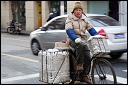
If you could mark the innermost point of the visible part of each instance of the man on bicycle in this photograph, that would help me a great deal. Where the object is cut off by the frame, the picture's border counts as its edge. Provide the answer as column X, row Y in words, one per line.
column 76, row 26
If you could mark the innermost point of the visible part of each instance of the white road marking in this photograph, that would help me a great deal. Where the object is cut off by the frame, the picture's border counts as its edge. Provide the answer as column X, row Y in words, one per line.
column 19, row 78
column 124, row 70
column 119, row 79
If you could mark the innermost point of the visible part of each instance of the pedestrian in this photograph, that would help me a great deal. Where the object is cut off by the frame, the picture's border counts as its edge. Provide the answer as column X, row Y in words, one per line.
column 76, row 26
column 51, row 15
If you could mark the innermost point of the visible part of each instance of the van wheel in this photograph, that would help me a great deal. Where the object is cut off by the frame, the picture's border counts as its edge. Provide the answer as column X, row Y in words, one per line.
column 116, row 55
column 35, row 47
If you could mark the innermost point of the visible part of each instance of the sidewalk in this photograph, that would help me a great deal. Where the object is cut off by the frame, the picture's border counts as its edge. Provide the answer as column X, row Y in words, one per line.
column 22, row 32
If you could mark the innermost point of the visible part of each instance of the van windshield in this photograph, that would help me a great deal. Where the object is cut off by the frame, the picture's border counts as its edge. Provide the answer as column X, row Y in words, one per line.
column 98, row 21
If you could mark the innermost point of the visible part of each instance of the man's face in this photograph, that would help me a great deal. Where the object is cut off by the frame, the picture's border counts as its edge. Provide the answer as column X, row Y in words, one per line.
column 78, row 13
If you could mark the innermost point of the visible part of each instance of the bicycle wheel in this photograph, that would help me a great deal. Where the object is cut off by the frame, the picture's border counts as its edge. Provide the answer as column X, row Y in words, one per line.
column 10, row 30
column 103, row 72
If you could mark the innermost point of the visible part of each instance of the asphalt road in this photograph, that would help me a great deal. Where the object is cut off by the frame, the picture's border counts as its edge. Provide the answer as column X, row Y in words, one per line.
column 20, row 66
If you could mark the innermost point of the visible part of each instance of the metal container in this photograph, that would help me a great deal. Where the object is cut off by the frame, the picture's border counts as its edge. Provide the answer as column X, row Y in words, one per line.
column 54, row 66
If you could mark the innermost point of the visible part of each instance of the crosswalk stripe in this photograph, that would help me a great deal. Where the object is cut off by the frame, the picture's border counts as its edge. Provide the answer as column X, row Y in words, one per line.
column 110, row 77
column 19, row 78
column 119, row 79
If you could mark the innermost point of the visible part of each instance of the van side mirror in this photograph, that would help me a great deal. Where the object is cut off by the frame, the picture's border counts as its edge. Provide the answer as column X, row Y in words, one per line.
column 43, row 29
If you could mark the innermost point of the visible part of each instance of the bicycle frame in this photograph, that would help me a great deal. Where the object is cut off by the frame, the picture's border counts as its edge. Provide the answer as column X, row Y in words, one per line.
column 99, row 70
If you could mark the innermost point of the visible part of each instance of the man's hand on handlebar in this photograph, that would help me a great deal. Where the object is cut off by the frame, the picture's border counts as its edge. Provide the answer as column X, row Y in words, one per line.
column 82, row 43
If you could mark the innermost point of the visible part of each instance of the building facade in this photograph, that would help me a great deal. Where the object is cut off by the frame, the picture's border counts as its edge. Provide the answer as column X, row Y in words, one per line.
column 33, row 14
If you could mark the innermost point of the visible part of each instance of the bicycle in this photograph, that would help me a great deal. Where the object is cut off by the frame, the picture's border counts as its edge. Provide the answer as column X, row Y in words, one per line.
column 10, row 27
column 14, row 27
column 101, row 71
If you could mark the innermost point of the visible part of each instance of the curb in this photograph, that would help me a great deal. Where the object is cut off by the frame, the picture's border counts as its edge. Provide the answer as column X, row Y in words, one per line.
column 22, row 32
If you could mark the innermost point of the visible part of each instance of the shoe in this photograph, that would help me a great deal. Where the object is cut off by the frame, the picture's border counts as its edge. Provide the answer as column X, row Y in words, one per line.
column 79, row 66
column 87, row 79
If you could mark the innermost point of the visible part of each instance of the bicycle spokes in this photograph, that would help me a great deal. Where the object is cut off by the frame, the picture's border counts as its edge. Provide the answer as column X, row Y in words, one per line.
column 103, row 72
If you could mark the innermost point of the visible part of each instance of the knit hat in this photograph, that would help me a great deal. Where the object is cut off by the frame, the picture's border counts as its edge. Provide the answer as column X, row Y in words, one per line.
column 77, row 6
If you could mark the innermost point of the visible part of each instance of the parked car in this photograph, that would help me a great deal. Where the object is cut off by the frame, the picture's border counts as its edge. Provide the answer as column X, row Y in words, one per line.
column 54, row 31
